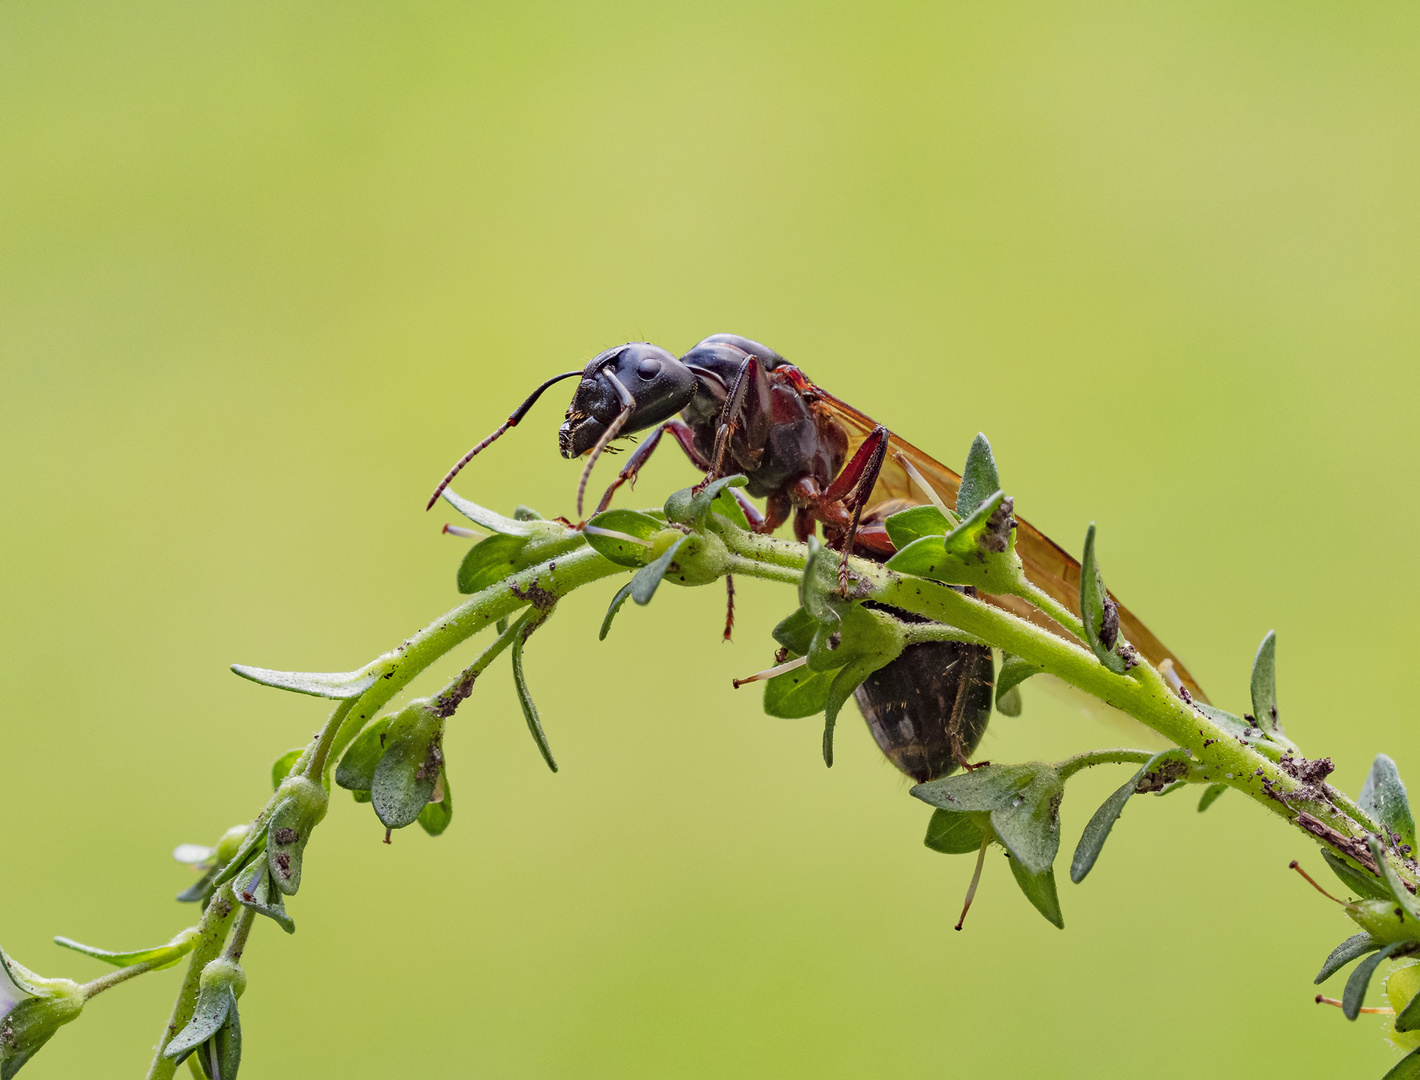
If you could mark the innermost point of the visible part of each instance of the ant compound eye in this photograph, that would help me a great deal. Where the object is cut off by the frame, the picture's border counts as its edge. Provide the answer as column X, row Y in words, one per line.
column 648, row 368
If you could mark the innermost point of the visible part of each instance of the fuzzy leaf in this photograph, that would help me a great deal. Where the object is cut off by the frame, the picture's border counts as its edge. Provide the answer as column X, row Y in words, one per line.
column 1098, row 610
column 643, row 585
column 703, row 501
column 1355, row 994
column 489, row 519
column 1014, row 671
column 356, row 771
column 1398, row 892
column 818, row 586
column 978, row 478
column 1354, row 946
column 216, row 1007
column 1408, row 1019
column 1040, row 891
column 256, row 891
column 290, row 828
column 622, row 595
column 953, row 833
column 1383, row 797
column 407, row 771
column 1098, row 828
column 1358, row 881
column 1407, row 1068
column 1210, row 796
column 1009, row 703
column 340, row 685
column 915, row 522
column 1023, row 801
column 620, row 551
column 491, row 559
column 839, row 691
column 1264, row 684
column 281, row 767
column 525, row 696
column 797, row 694
column 435, row 816
column 796, row 632
column 171, row 953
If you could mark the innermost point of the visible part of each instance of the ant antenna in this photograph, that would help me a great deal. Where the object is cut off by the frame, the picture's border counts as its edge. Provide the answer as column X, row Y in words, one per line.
column 1294, row 865
column 629, row 403
column 511, row 422
column 975, row 881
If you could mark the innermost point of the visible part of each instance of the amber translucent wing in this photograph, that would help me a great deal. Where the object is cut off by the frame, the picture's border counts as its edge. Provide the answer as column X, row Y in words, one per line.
column 1046, row 563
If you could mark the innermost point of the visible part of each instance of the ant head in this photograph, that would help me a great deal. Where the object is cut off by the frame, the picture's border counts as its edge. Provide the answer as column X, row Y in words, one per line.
column 645, row 378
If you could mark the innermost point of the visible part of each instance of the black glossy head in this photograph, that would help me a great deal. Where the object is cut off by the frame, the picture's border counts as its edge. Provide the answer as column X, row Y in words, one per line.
column 658, row 383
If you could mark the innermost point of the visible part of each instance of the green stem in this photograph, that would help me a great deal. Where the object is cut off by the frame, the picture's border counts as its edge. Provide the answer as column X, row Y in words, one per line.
column 212, row 932
column 103, row 982
column 915, row 632
column 240, row 933
column 1070, row 766
column 1054, row 608
column 317, row 756
column 542, row 584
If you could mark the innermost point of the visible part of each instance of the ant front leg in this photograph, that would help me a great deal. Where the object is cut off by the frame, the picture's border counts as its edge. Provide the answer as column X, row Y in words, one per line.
column 852, row 488
column 683, row 435
column 744, row 424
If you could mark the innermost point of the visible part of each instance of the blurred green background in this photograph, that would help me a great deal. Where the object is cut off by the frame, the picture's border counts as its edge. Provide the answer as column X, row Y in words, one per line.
column 266, row 270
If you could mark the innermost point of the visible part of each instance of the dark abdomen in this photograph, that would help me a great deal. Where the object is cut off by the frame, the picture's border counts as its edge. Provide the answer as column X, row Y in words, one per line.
column 928, row 709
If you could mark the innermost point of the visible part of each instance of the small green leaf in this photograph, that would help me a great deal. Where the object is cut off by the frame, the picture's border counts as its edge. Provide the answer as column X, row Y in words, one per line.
column 1098, row 828
column 281, row 767
column 296, row 814
column 1408, row 1019
column 643, row 585
column 1009, row 703
column 256, row 891
column 1023, row 801
column 642, row 527
column 435, row 816
column 1014, row 671
column 1098, row 610
column 1029, row 826
column 1383, row 797
column 915, row 522
column 525, row 513
column 980, row 551
column 726, row 505
column 703, row 501
column 171, row 953
column 797, row 694
column 215, row 1011
column 254, row 842
column 489, row 519
column 1210, row 796
column 1358, row 881
column 340, row 685
column 1264, row 684
column 1398, row 892
column 1354, row 946
column 796, row 632
column 407, row 771
column 491, row 559
column 525, row 696
column 1355, row 994
column 622, row 595
column 818, row 585
column 953, row 833
column 356, row 771
column 839, row 691
column 978, row 478
column 1039, row 889
column 1407, row 1068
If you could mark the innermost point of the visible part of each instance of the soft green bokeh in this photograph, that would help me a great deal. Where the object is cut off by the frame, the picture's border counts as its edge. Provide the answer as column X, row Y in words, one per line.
column 267, row 269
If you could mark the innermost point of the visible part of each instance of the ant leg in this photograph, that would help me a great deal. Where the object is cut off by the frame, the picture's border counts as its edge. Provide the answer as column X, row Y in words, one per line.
column 752, row 513
column 854, row 486
column 729, row 606
column 746, row 408
column 683, row 435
